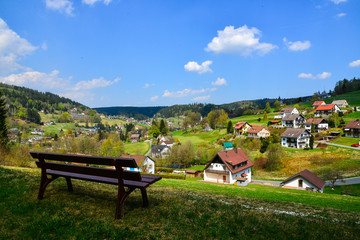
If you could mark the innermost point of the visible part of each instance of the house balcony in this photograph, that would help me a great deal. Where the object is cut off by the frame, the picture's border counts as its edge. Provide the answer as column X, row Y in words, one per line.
column 216, row 171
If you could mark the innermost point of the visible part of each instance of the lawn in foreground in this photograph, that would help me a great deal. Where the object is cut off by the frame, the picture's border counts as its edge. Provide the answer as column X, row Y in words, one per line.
column 178, row 210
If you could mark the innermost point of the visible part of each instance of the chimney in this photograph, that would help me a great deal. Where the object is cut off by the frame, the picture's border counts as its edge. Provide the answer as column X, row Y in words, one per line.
column 235, row 150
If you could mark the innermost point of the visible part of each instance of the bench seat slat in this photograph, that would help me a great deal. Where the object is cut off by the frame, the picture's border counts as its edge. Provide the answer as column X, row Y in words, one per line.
column 123, row 162
column 150, row 179
column 96, row 171
column 127, row 183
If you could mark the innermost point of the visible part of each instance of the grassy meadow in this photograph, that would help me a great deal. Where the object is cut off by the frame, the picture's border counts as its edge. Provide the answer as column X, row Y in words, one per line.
column 178, row 209
column 347, row 141
column 353, row 98
column 139, row 148
column 253, row 119
column 199, row 138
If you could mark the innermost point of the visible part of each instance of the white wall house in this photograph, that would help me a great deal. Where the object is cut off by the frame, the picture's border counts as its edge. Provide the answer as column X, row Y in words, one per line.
column 145, row 163
column 352, row 129
column 320, row 124
column 295, row 138
column 229, row 167
column 326, row 110
column 304, row 180
column 286, row 111
column 293, row 121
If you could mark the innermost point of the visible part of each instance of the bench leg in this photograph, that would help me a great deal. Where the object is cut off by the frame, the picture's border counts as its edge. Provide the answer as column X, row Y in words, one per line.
column 69, row 184
column 122, row 196
column 43, row 184
column 144, row 197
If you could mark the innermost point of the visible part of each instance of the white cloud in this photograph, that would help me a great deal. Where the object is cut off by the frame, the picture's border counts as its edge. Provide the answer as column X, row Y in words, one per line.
column 298, row 45
column 186, row 92
column 242, row 40
column 195, row 67
column 219, row 82
column 355, row 63
column 79, row 96
column 146, row 85
column 323, row 75
column 338, row 1
column 44, row 46
column 154, row 98
column 306, row 75
column 63, row 6
column 12, row 49
column 340, row 15
column 92, row 2
column 201, row 98
column 95, row 83
column 38, row 80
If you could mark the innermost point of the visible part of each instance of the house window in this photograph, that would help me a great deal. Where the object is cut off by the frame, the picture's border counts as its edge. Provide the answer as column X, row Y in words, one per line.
column 300, row 183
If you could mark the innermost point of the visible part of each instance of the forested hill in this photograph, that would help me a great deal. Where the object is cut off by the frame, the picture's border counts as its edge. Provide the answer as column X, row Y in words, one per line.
column 22, row 98
column 139, row 113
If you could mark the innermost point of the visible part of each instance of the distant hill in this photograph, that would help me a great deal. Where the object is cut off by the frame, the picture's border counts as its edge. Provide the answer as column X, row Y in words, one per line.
column 22, row 98
column 135, row 112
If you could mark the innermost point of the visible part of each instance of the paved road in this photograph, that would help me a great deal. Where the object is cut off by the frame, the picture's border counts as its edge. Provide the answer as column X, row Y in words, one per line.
column 338, row 145
column 347, row 181
column 148, row 152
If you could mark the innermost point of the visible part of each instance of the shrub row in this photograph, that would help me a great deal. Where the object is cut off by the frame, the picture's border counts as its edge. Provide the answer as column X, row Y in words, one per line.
column 163, row 169
column 173, row 176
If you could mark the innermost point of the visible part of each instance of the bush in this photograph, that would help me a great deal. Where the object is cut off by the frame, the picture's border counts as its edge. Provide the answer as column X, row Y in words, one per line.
column 260, row 163
column 162, row 169
column 173, row 176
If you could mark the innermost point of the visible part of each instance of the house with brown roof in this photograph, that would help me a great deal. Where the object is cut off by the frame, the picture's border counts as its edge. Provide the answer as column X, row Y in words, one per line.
column 135, row 137
column 327, row 109
column 295, row 138
column 241, row 128
column 320, row 124
column 287, row 111
column 167, row 143
column 258, row 132
column 318, row 103
column 145, row 163
column 193, row 173
column 352, row 129
column 293, row 121
column 341, row 103
column 304, row 180
column 229, row 167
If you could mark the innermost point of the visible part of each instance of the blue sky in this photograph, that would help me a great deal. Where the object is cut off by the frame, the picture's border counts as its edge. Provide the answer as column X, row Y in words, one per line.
column 161, row 52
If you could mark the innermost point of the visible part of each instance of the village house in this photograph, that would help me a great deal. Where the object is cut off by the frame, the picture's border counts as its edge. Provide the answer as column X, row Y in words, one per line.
column 258, row 132
column 304, row 180
column 135, row 137
column 327, row 109
column 318, row 103
column 293, row 121
column 160, row 151
column 287, row 111
column 320, row 124
column 341, row 103
column 295, row 138
column 229, row 167
column 167, row 143
column 37, row 131
column 145, row 163
column 193, row 173
column 207, row 128
column 352, row 129
column 241, row 128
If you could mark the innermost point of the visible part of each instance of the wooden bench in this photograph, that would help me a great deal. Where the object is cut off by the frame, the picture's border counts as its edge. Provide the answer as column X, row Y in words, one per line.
column 127, row 181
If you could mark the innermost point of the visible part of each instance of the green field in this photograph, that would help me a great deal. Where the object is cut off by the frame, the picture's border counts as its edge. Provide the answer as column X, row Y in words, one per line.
column 353, row 98
column 253, row 119
column 178, row 210
column 197, row 167
column 57, row 127
column 199, row 138
column 139, row 148
column 347, row 141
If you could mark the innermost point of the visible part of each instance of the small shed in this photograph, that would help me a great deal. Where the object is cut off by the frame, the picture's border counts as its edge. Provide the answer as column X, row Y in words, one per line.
column 193, row 173
column 228, row 145
column 304, row 180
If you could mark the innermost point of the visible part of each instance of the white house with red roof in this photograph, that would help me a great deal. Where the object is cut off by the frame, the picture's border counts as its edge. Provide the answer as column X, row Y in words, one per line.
column 241, row 128
column 286, row 111
column 229, row 167
column 304, row 180
column 145, row 163
column 258, row 132
column 326, row 109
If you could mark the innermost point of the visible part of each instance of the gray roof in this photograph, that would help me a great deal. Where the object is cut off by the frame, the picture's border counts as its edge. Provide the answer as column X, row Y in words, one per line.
column 287, row 110
column 291, row 117
column 339, row 102
column 293, row 132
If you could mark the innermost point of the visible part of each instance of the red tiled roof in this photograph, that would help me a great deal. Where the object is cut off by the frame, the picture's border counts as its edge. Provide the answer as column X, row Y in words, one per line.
column 239, row 125
column 317, row 103
column 256, row 129
column 312, row 178
column 325, row 107
column 139, row 159
column 234, row 157
column 353, row 124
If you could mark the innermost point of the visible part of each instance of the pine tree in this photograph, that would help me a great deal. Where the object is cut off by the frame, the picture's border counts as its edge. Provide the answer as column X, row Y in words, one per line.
column 163, row 128
column 229, row 128
column 3, row 127
column 265, row 116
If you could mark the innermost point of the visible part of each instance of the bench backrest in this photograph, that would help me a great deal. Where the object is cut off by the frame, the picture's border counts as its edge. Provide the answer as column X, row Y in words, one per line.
column 118, row 163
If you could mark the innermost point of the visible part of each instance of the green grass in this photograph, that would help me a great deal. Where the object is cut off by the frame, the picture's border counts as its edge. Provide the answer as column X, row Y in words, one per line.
column 253, row 119
column 57, row 127
column 139, row 148
column 351, row 116
column 354, row 189
column 178, row 210
column 199, row 138
column 347, row 141
column 197, row 167
column 353, row 98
